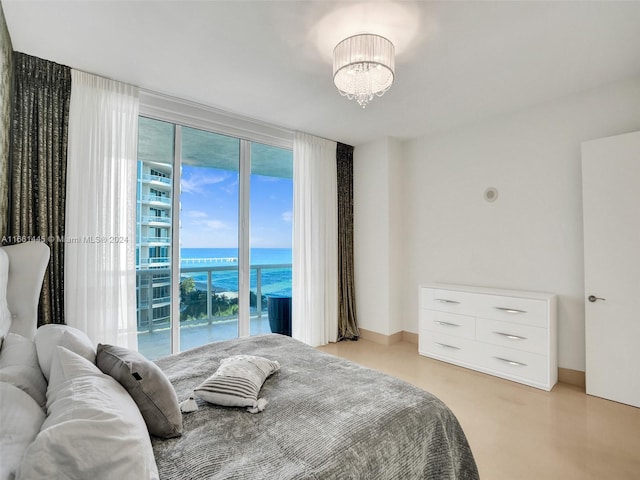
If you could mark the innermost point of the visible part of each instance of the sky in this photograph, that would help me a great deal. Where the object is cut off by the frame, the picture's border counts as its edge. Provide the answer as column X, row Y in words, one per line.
column 210, row 186
column 209, row 209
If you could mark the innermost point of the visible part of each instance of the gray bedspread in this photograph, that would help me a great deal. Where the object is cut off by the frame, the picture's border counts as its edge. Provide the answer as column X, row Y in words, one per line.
column 327, row 418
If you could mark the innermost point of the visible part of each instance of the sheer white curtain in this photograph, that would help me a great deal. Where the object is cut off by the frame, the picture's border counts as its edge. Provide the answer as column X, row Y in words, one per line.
column 100, row 228
column 315, row 240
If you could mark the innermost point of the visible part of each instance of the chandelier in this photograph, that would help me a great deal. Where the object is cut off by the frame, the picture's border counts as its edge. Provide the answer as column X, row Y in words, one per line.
column 363, row 66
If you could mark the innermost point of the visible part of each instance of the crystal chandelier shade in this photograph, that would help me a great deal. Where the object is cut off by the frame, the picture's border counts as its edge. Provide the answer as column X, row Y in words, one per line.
column 363, row 66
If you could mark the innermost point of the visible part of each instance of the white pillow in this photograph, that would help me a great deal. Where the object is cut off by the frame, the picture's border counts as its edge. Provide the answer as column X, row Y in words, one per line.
column 67, row 366
column 237, row 382
column 5, row 314
column 21, row 419
column 93, row 428
column 48, row 337
column 19, row 366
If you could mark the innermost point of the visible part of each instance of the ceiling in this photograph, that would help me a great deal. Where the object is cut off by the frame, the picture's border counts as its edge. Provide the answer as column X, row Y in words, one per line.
column 456, row 62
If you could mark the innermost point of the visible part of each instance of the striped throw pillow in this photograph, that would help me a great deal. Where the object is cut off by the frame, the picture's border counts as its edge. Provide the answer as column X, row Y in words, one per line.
column 237, row 382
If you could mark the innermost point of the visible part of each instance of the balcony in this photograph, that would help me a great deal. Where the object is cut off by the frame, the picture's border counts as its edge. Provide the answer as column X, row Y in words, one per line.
column 160, row 302
column 155, row 240
column 197, row 261
column 203, row 321
column 154, row 263
column 156, row 200
column 157, row 179
column 156, row 344
column 152, row 219
column 155, row 279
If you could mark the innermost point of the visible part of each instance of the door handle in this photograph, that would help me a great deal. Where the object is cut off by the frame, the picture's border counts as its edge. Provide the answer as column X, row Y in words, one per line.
column 593, row 298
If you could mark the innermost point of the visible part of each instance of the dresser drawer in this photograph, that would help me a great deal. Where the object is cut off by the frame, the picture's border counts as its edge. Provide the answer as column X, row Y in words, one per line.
column 525, row 311
column 523, row 366
column 448, row 323
column 446, row 347
column 512, row 335
column 508, row 333
column 451, row 301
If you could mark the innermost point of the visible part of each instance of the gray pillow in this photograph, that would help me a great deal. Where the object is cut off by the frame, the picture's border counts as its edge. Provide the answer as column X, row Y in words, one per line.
column 148, row 386
column 237, row 382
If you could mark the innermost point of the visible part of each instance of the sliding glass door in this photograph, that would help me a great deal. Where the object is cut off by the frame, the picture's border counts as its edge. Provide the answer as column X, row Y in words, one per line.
column 214, row 236
column 154, row 232
column 271, row 214
column 209, row 198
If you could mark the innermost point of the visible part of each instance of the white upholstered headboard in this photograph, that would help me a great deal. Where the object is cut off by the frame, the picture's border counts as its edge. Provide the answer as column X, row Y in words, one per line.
column 27, row 264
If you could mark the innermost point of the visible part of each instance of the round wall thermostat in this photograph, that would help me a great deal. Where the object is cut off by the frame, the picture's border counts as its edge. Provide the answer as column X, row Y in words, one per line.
column 491, row 194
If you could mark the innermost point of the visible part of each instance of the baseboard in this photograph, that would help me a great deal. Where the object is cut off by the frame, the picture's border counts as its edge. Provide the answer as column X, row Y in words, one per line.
column 565, row 375
column 388, row 340
column 380, row 338
column 572, row 377
column 410, row 337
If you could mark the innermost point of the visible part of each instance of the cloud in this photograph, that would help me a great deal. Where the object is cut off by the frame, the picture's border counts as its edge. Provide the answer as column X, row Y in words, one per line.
column 215, row 225
column 196, row 214
column 232, row 188
column 197, row 183
column 202, row 222
column 287, row 216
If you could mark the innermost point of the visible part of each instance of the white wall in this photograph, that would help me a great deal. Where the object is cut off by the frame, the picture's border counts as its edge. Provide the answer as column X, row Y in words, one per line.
column 371, row 235
column 395, row 154
column 443, row 230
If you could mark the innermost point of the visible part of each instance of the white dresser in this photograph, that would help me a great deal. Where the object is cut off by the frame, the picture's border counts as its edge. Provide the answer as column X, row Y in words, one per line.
column 508, row 333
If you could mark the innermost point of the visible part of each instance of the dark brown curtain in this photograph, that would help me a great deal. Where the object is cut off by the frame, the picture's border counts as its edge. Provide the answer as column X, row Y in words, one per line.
column 40, row 119
column 347, row 323
column 6, row 82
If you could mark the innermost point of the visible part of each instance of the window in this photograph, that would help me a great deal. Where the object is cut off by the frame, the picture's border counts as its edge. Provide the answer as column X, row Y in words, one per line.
column 158, row 173
column 201, row 277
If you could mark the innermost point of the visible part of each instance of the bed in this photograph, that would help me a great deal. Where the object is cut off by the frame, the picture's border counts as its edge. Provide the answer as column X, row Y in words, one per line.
column 326, row 418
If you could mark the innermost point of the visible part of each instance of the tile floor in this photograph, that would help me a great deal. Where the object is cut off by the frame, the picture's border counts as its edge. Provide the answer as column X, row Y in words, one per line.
column 516, row 431
column 156, row 344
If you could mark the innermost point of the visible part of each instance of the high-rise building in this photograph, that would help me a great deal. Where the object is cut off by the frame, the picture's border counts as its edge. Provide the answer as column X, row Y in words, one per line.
column 153, row 245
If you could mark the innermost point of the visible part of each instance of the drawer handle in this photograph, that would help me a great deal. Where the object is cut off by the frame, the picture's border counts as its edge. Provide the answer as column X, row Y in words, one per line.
column 444, row 345
column 511, row 362
column 510, row 310
column 448, row 324
column 444, row 300
column 511, row 336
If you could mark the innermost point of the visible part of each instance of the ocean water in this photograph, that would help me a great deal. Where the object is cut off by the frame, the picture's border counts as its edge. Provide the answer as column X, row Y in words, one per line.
column 274, row 281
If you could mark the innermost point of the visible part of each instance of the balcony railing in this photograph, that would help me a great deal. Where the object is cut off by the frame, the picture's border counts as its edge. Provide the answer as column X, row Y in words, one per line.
column 156, row 199
column 155, row 260
column 195, row 261
column 154, row 219
column 207, row 312
column 163, row 240
column 160, row 302
column 153, row 279
column 145, row 262
column 156, row 178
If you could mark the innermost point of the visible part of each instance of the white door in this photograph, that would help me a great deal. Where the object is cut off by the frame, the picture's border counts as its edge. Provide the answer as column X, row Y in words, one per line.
column 611, row 206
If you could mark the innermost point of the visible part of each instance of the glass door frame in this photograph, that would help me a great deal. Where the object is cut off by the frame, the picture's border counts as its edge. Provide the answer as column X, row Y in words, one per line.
column 175, row 239
column 244, row 239
column 183, row 113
